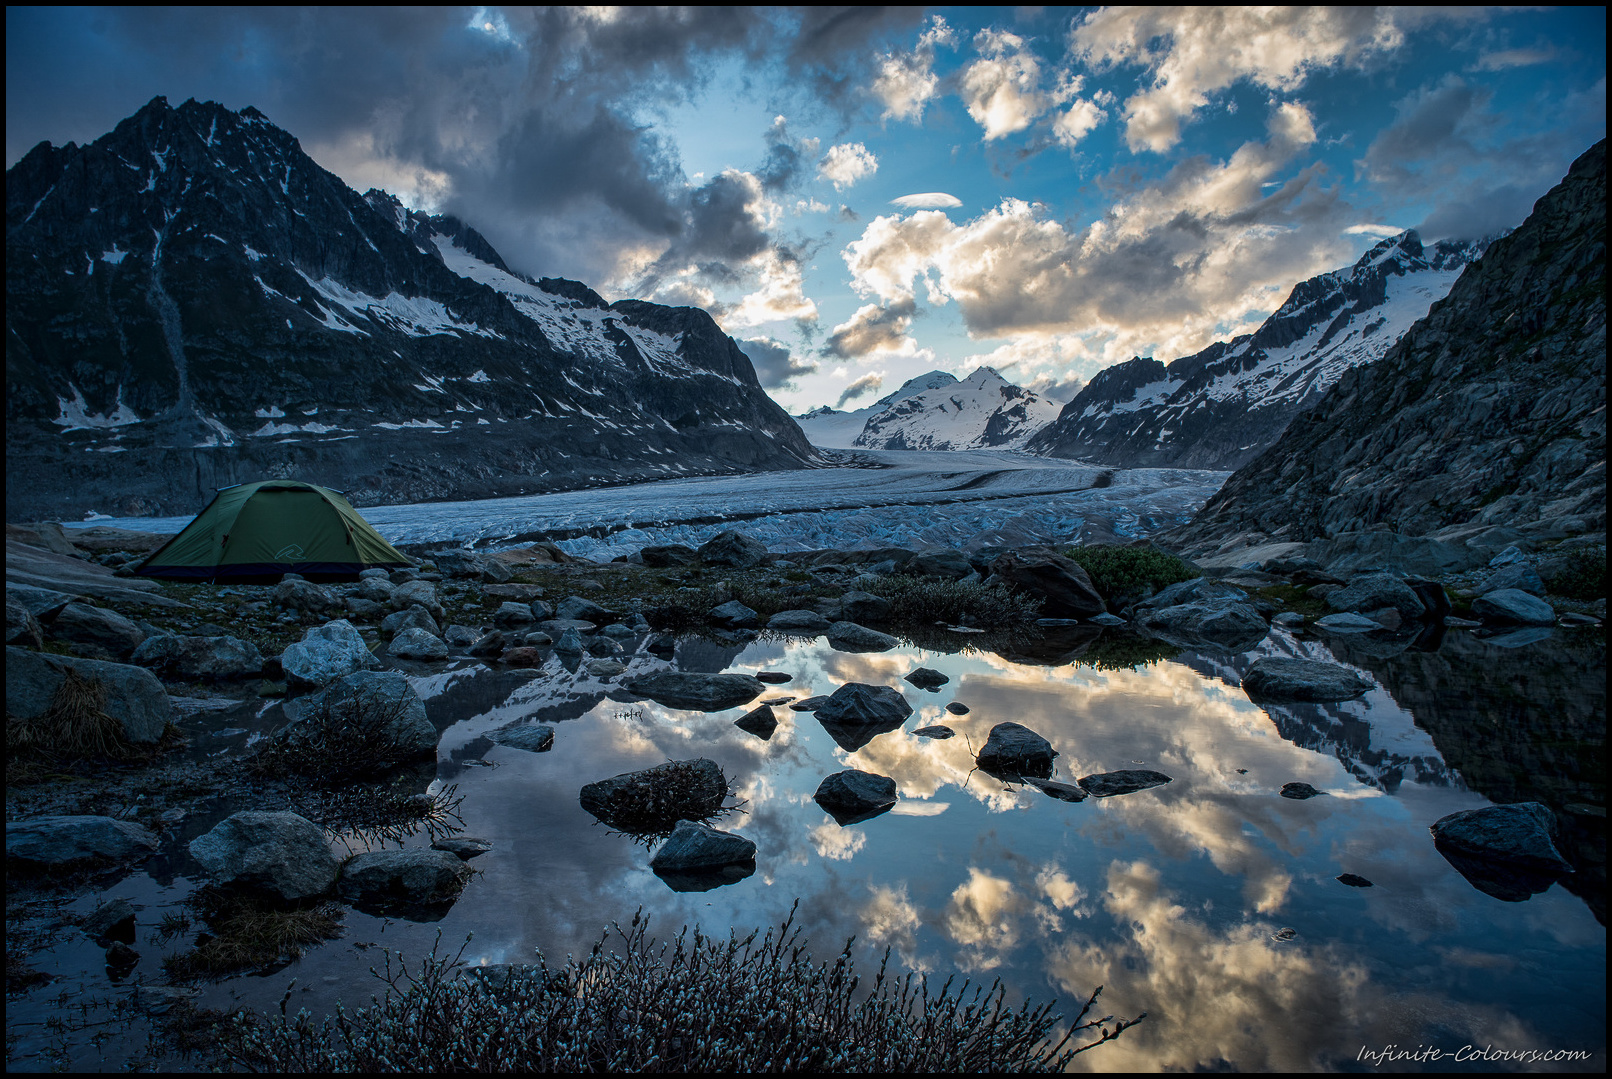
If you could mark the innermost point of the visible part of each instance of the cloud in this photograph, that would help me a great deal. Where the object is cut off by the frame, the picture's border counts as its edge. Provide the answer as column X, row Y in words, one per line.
column 906, row 82
column 1169, row 267
column 1002, row 89
column 785, row 156
column 847, row 163
column 1510, row 58
column 1446, row 147
column 873, row 329
column 929, row 200
column 861, row 388
column 775, row 365
column 1080, row 120
column 983, row 916
column 1192, row 52
column 1373, row 230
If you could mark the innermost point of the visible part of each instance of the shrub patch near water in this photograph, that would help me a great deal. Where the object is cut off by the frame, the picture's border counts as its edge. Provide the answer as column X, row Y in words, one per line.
column 1128, row 573
column 699, row 1005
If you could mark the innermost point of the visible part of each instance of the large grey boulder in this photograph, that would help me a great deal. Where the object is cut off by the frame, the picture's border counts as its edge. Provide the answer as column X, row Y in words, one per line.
column 677, row 790
column 695, row 846
column 1203, row 612
column 734, row 615
column 584, row 610
column 296, row 594
column 412, row 876
column 1518, row 833
column 22, row 628
column 1302, row 680
column 854, row 795
column 1062, row 585
column 531, row 737
column 858, row 702
column 66, row 840
column 134, row 697
column 96, row 632
column 510, row 613
column 1514, row 605
column 275, row 852
column 1518, row 575
column 1373, row 592
column 1125, row 781
column 326, row 653
column 699, row 692
column 203, row 658
column 423, row 593
column 458, row 562
column 417, row 643
column 927, row 678
column 1347, row 622
column 376, row 705
column 42, row 603
column 945, row 562
column 375, row 589
column 856, row 713
column 674, row 554
column 733, row 549
column 798, row 622
column 850, row 637
column 415, row 617
column 864, row 607
column 1014, row 749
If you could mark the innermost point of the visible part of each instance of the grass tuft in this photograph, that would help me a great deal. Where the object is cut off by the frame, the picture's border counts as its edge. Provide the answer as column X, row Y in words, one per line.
column 248, row 932
column 688, row 1005
column 926, row 600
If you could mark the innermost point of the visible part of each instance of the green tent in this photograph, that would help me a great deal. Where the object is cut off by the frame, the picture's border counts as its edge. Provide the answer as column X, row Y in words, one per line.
column 272, row 527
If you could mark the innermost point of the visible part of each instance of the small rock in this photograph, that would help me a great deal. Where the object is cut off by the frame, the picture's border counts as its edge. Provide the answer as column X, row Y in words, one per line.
column 700, row 692
column 1518, row 833
column 604, row 668
column 281, row 853
column 1013, row 749
column 1299, row 791
column 850, row 637
column 1125, row 781
column 695, row 846
column 532, row 737
column 1302, row 680
column 111, row 920
column 927, row 678
column 1064, row 792
column 1347, row 623
column 957, row 708
column 66, row 840
column 1353, row 881
column 463, row 847
column 511, row 613
column 798, row 622
column 733, row 549
column 417, row 643
column 939, row 730
column 810, row 704
column 1514, row 605
column 414, row 875
column 525, row 656
column 759, row 721
column 1282, row 936
column 775, row 678
column 734, row 615
column 853, row 795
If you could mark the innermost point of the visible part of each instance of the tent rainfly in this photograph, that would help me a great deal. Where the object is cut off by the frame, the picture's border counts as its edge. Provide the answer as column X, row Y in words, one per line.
column 269, row 528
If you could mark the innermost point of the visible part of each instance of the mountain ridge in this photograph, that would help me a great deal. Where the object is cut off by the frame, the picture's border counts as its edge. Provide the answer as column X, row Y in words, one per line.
column 192, row 273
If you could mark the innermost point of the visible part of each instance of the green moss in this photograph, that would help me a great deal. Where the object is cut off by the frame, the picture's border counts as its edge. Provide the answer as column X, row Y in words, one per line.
column 1124, row 575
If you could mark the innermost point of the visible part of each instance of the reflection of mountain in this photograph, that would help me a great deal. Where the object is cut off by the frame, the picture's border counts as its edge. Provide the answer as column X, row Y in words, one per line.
column 1381, row 747
column 1520, row 725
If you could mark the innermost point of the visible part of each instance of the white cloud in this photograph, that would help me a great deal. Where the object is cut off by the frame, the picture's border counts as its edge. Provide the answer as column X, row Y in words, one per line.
column 907, row 83
column 1002, row 89
column 1372, row 230
column 1168, row 269
column 862, row 387
column 928, row 200
column 847, row 163
column 1201, row 50
column 1080, row 120
column 874, row 329
column 780, row 297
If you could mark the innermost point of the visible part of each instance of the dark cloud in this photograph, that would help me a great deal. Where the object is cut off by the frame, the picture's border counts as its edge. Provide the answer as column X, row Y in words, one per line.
column 1429, row 126
column 862, row 387
column 872, row 329
column 774, row 364
column 1063, row 390
column 835, row 48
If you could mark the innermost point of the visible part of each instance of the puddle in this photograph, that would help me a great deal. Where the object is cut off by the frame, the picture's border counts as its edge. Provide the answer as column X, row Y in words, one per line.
column 1210, row 902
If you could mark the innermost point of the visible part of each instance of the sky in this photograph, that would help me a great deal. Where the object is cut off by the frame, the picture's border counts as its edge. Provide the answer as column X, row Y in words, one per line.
column 862, row 195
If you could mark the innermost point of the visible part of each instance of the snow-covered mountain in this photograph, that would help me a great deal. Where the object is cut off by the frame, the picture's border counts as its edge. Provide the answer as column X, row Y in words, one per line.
column 193, row 302
column 1221, row 407
column 937, row 412
column 831, row 427
column 983, row 410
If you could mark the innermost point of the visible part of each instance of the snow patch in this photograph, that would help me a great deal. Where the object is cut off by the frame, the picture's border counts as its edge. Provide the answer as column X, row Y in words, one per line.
column 75, row 414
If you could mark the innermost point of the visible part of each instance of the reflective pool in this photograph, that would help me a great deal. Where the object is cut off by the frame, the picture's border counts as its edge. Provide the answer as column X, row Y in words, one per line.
column 1172, row 898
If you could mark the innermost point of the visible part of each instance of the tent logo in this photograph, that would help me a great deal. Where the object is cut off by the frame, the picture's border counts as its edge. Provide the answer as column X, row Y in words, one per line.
column 291, row 552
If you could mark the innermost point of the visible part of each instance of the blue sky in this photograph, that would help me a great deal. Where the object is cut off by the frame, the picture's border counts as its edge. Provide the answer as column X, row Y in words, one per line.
column 1100, row 182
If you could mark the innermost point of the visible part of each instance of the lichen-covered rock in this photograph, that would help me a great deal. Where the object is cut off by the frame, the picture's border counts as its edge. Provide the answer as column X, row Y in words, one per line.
column 281, row 853
column 134, row 697
column 326, row 653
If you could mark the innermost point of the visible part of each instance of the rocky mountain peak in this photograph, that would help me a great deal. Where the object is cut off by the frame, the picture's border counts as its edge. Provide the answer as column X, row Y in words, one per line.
column 1486, row 419
column 192, row 301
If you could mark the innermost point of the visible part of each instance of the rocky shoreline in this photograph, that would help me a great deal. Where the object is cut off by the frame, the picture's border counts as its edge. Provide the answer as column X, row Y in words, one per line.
column 337, row 655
